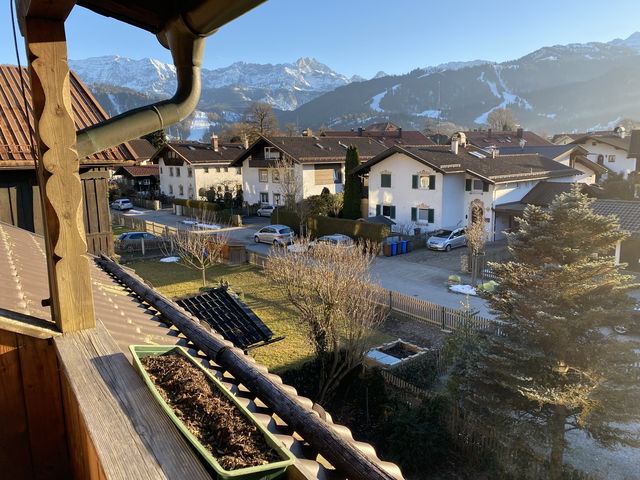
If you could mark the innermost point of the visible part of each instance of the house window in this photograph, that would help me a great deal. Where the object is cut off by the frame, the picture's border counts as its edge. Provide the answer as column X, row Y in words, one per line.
column 385, row 180
column 276, row 199
column 218, row 169
column 206, row 169
column 275, row 176
column 181, row 188
column 328, row 173
column 170, row 189
column 386, row 210
column 239, row 171
column 611, row 158
column 423, row 182
column 424, row 215
column 226, row 169
column 171, row 171
column 478, row 185
column 189, row 172
column 271, row 153
column 160, row 170
column 263, row 175
column 177, row 171
column 264, row 197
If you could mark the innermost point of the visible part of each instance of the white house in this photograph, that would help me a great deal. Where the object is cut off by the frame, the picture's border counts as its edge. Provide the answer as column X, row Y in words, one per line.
column 571, row 155
column 442, row 186
column 189, row 169
column 609, row 150
column 318, row 163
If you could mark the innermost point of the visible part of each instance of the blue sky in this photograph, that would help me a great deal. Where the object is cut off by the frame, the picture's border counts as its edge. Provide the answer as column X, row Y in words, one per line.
column 362, row 37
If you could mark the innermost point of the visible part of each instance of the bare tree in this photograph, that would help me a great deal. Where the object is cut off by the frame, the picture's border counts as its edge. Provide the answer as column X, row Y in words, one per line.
column 261, row 119
column 290, row 185
column 332, row 289
column 501, row 119
column 476, row 240
column 201, row 247
column 236, row 132
column 290, row 129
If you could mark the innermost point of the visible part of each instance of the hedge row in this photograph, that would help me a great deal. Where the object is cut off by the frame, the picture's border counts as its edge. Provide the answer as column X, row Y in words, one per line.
column 200, row 204
column 282, row 216
column 357, row 229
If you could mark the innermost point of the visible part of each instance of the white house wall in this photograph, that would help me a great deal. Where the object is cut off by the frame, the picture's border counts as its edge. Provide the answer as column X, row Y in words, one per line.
column 167, row 181
column 453, row 198
column 309, row 182
column 252, row 187
column 213, row 178
column 588, row 176
column 622, row 164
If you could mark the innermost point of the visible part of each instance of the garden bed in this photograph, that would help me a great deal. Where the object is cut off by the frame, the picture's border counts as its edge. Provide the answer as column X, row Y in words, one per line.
column 394, row 353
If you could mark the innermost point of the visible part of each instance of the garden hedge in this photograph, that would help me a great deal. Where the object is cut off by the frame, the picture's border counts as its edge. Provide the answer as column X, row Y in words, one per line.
column 357, row 229
column 282, row 216
column 199, row 204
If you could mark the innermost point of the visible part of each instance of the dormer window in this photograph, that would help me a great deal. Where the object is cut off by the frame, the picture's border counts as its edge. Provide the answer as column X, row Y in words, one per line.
column 271, row 153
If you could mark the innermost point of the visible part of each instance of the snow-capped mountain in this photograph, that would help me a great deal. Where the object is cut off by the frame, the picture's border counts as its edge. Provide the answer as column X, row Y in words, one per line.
column 152, row 77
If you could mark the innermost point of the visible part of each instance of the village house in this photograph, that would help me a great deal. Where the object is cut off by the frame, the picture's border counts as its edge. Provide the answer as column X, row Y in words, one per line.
column 318, row 163
column 144, row 179
column 610, row 150
column 503, row 138
column 143, row 150
column 189, row 169
column 20, row 201
column 448, row 186
column 386, row 133
column 571, row 155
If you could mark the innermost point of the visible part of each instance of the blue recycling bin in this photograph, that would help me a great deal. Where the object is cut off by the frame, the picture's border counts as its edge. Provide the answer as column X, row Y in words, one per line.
column 394, row 248
column 403, row 246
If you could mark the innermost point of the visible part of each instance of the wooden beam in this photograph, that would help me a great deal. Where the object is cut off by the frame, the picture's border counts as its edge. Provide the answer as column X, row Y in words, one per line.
column 58, row 176
column 49, row 9
column 341, row 452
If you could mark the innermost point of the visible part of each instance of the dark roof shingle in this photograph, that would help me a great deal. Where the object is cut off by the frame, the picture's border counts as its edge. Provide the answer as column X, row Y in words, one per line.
column 203, row 153
column 501, row 139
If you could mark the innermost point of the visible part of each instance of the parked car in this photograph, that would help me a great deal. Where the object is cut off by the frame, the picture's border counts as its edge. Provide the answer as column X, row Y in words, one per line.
column 137, row 236
column 446, row 239
column 336, row 239
column 122, row 204
column 266, row 210
column 276, row 234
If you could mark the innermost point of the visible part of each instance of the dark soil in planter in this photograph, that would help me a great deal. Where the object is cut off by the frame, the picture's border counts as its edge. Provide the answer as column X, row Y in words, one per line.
column 399, row 350
column 215, row 421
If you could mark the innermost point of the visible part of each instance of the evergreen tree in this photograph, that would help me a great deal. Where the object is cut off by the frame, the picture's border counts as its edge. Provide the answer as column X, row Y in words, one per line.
column 352, row 185
column 555, row 364
column 157, row 138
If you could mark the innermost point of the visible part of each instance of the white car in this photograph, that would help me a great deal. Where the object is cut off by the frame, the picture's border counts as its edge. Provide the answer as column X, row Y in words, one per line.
column 275, row 234
column 266, row 210
column 122, row 204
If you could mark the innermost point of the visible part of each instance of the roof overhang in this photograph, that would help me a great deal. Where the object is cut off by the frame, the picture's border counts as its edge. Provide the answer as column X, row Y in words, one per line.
column 365, row 167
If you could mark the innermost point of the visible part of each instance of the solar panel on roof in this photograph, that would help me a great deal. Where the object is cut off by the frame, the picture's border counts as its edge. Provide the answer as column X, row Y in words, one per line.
column 230, row 317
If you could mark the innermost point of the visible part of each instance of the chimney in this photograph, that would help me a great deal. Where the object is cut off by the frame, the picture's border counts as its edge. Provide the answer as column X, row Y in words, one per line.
column 307, row 132
column 214, row 142
column 359, row 131
column 400, row 132
column 245, row 141
column 489, row 134
column 519, row 132
column 522, row 143
column 454, row 147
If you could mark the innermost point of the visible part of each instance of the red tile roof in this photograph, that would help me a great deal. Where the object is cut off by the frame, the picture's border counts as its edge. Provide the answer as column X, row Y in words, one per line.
column 15, row 140
column 139, row 170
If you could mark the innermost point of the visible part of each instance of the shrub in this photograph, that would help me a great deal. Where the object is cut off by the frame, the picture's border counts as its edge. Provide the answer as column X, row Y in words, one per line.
column 199, row 204
column 454, row 279
column 319, row 226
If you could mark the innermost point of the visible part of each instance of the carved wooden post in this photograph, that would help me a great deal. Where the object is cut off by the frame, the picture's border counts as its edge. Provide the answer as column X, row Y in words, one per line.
column 58, row 177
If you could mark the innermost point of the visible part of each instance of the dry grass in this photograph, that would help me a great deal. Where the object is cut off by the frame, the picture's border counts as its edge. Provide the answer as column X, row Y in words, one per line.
column 263, row 297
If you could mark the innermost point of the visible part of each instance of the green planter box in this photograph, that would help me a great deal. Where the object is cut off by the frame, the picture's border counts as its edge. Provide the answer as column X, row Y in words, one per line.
column 260, row 472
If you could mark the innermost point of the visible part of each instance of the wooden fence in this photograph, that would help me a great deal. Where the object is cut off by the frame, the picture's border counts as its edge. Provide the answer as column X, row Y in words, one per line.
column 257, row 259
column 142, row 225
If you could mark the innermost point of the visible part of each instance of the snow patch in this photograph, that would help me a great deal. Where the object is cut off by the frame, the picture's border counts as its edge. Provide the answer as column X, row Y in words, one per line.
column 430, row 113
column 170, row 259
column 199, row 126
column 464, row 289
column 375, row 102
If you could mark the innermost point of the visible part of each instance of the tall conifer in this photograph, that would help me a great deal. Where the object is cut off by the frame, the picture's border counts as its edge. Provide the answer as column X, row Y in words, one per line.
column 352, row 185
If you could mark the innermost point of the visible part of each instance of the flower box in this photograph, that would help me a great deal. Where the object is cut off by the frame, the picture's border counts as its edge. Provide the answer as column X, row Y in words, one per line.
column 261, row 472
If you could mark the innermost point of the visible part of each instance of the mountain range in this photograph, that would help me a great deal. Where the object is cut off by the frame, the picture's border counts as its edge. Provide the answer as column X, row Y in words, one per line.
column 558, row 88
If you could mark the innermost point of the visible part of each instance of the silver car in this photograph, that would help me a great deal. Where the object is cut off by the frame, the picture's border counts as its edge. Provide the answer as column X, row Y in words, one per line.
column 266, row 210
column 275, row 234
column 446, row 239
column 122, row 204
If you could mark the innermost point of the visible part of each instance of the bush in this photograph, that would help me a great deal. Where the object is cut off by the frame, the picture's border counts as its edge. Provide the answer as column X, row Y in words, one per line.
column 319, row 226
column 283, row 216
column 199, row 204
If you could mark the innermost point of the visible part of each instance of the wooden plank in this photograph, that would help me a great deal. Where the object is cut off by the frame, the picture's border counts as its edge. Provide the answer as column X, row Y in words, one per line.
column 27, row 325
column 38, row 220
column 15, row 454
column 130, row 433
column 58, row 175
column 43, row 402
column 91, row 205
column 7, row 213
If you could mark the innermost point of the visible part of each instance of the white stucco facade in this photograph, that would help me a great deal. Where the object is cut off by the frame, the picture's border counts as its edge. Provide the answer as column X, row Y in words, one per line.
column 613, row 158
column 186, row 180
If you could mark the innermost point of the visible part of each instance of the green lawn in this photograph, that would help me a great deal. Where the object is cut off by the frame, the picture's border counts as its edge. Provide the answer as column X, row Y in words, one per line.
column 263, row 297
column 118, row 229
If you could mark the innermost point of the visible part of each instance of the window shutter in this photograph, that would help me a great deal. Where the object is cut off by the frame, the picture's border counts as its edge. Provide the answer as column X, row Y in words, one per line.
column 414, row 214
column 432, row 182
column 485, row 187
column 414, row 181
column 378, row 209
column 392, row 211
column 467, row 185
column 430, row 215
